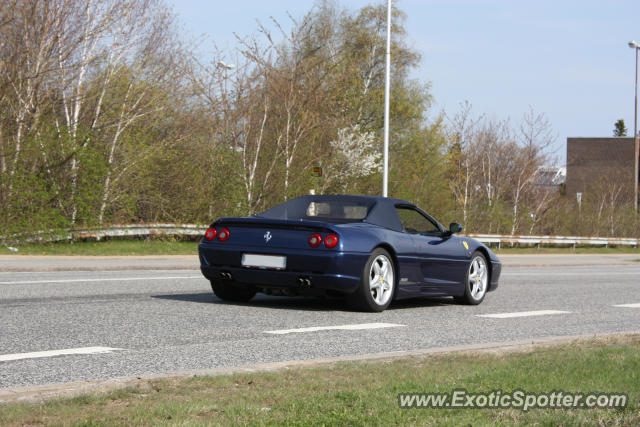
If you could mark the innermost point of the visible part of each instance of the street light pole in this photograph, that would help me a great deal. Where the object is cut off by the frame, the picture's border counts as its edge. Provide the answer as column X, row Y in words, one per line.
column 226, row 67
column 635, row 46
column 225, row 99
column 387, row 83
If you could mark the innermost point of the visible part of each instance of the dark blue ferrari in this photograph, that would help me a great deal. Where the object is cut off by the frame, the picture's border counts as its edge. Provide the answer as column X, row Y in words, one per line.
column 368, row 249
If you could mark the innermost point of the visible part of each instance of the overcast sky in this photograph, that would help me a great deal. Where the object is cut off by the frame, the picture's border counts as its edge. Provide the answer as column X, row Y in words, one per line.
column 568, row 59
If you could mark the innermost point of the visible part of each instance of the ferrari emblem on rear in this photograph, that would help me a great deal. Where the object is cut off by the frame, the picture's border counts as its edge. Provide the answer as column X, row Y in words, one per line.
column 267, row 236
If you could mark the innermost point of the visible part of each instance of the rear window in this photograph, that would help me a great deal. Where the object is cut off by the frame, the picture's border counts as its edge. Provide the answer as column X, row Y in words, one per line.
column 319, row 208
column 337, row 210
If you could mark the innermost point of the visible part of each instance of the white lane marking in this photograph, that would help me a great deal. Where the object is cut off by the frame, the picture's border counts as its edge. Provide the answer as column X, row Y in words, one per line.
column 577, row 273
column 583, row 273
column 106, row 279
column 523, row 314
column 337, row 327
column 145, row 270
column 52, row 353
column 635, row 305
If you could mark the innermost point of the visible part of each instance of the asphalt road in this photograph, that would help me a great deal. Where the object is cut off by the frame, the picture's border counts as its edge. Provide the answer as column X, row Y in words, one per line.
column 166, row 319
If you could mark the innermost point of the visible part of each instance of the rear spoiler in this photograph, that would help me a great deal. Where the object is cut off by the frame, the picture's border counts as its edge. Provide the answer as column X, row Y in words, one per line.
column 256, row 222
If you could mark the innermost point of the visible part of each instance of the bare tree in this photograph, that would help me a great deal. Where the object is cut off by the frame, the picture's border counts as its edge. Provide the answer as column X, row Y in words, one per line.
column 610, row 199
column 464, row 158
column 144, row 57
column 87, row 26
column 544, row 198
column 295, row 76
column 63, row 59
column 32, row 33
column 108, row 41
column 536, row 136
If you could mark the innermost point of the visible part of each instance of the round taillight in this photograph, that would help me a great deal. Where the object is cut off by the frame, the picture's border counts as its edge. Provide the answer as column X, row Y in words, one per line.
column 210, row 234
column 315, row 240
column 223, row 235
column 331, row 241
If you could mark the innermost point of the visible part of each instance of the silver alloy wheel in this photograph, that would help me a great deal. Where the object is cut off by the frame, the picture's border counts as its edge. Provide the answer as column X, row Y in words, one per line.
column 478, row 277
column 381, row 280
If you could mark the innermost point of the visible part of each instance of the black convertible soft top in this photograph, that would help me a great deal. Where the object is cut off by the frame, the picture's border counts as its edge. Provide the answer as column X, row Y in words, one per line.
column 339, row 209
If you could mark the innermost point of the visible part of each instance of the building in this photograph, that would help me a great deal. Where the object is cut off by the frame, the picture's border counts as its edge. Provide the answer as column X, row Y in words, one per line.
column 596, row 166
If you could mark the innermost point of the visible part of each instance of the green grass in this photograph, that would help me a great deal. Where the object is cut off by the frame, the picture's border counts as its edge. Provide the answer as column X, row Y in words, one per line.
column 108, row 247
column 365, row 393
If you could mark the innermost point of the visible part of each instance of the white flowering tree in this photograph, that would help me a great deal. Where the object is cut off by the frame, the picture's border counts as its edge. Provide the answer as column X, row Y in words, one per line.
column 354, row 155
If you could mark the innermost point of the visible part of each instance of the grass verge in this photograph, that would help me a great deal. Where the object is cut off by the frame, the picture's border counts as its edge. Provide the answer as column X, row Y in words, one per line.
column 365, row 393
column 108, row 247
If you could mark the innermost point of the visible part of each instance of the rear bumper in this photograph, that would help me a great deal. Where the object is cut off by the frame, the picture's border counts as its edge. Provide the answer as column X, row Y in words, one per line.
column 325, row 270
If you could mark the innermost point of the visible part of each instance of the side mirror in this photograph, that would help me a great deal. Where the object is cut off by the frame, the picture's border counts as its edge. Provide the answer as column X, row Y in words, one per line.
column 454, row 228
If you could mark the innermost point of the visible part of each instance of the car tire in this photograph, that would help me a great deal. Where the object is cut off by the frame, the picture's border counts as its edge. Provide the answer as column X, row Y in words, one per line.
column 232, row 293
column 377, row 283
column 476, row 280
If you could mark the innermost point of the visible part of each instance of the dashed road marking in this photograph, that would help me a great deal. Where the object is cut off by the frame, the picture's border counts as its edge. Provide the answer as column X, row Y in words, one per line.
column 634, row 305
column 353, row 327
column 53, row 353
column 577, row 273
column 523, row 314
column 106, row 279
column 146, row 270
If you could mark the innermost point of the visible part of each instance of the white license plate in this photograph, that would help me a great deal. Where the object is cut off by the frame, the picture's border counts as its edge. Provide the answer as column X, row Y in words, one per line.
column 264, row 261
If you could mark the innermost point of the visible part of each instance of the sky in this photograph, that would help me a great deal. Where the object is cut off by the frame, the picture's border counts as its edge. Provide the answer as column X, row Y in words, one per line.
column 567, row 59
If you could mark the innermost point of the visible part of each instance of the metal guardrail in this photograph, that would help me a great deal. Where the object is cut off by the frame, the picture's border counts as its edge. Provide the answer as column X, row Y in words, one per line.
column 554, row 240
column 140, row 230
column 133, row 230
column 193, row 230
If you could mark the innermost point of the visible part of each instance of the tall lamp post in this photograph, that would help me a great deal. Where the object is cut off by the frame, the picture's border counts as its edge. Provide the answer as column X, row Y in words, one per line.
column 387, row 83
column 226, row 67
column 635, row 46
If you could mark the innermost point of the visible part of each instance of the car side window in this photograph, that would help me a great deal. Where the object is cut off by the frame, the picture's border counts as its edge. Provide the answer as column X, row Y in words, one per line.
column 414, row 222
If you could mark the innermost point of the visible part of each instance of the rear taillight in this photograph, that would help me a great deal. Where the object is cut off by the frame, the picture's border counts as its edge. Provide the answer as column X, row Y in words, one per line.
column 331, row 241
column 210, row 234
column 315, row 240
column 223, row 235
